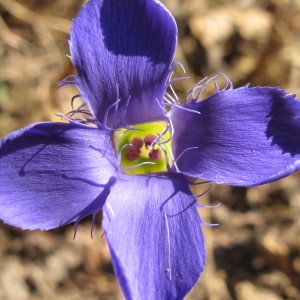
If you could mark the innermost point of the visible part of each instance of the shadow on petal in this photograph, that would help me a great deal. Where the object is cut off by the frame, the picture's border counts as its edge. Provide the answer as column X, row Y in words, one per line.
column 124, row 35
column 284, row 125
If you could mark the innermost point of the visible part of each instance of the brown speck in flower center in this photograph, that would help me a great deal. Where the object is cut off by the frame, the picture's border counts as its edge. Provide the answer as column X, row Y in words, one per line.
column 155, row 154
column 133, row 151
column 137, row 143
column 139, row 148
column 149, row 139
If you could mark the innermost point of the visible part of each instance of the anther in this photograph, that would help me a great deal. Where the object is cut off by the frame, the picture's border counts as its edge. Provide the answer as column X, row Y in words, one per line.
column 149, row 139
column 155, row 154
column 132, row 153
column 137, row 143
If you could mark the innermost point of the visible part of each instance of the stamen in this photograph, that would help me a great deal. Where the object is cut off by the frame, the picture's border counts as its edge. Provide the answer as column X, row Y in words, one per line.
column 132, row 153
column 149, row 139
column 137, row 143
column 134, row 149
column 155, row 154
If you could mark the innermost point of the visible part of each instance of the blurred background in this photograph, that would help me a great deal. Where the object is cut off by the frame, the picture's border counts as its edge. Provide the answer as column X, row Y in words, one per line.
column 255, row 251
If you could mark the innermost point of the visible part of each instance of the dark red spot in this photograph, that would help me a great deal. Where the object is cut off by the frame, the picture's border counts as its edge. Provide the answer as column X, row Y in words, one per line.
column 137, row 143
column 149, row 139
column 155, row 154
column 132, row 153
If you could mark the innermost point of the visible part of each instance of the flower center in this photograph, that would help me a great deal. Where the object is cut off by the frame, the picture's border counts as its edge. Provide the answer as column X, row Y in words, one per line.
column 144, row 148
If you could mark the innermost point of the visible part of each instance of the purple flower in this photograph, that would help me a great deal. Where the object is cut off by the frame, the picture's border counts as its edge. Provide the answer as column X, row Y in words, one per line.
column 135, row 163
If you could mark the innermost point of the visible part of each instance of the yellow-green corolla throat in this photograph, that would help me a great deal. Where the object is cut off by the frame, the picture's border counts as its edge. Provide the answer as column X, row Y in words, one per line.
column 144, row 148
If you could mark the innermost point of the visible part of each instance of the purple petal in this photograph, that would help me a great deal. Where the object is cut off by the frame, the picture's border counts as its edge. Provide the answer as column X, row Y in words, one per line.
column 53, row 174
column 246, row 136
column 154, row 233
column 123, row 50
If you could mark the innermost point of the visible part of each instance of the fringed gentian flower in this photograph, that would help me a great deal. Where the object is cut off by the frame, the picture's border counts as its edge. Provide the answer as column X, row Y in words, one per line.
column 135, row 163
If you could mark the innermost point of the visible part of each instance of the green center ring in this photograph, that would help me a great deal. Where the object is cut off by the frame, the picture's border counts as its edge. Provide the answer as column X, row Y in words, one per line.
column 144, row 149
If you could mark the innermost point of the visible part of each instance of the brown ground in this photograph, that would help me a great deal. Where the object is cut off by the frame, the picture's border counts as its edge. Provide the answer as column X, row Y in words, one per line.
column 255, row 251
